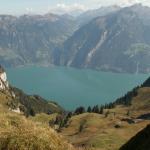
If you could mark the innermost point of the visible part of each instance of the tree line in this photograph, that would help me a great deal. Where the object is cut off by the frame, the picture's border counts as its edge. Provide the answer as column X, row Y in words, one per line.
column 125, row 100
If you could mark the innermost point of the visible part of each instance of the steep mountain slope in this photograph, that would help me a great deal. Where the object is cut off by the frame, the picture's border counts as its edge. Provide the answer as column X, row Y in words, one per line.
column 138, row 99
column 29, row 104
column 119, row 42
column 32, row 39
column 35, row 103
column 141, row 141
column 89, row 15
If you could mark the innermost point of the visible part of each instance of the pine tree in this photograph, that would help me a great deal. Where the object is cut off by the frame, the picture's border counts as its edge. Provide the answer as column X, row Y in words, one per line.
column 101, row 110
column 80, row 110
column 89, row 110
column 96, row 109
column 93, row 109
column 32, row 112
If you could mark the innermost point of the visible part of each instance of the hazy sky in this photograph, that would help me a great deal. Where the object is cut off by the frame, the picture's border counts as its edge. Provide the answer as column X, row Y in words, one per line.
column 43, row 6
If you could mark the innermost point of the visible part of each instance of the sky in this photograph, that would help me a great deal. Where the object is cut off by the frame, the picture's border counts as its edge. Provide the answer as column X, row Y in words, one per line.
column 19, row 7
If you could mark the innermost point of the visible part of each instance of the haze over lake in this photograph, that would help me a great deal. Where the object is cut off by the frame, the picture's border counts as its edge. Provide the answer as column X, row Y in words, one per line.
column 73, row 87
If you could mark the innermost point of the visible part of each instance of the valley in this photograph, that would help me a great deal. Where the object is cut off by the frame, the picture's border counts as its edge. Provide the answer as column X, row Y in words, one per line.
column 75, row 75
column 25, row 116
column 72, row 87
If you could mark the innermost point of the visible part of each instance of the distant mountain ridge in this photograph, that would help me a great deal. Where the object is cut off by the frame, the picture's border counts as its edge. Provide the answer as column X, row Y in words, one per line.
column 31, row 39
column 110, row 39
column 89, row 15
column 119, row 42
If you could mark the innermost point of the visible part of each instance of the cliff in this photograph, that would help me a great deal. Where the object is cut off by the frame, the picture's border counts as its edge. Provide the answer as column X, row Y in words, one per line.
column 3, row 79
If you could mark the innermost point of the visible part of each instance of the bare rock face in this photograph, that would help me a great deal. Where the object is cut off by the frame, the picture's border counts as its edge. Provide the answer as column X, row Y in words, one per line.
column 3, row 79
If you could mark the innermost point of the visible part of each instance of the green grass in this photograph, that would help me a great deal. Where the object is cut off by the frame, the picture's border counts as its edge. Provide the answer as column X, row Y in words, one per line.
column 43, row 118
column 100, row 132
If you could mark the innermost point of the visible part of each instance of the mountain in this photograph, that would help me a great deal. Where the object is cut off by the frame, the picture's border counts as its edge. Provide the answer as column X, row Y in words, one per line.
column 118, row 42
column 141, row 141
column 31, row 39
column 36, row 103
column 89, row 15
column 110, row 39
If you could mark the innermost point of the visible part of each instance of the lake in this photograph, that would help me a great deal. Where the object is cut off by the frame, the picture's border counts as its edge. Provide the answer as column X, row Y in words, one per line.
column 73, row 87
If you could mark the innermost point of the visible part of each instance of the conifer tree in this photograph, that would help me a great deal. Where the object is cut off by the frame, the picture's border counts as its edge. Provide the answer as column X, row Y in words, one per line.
column 101, row 110
column 32, row 112
column 80, row 110
column 89, row 110
column 93, row 109
column 96, row 109
column 106, row 114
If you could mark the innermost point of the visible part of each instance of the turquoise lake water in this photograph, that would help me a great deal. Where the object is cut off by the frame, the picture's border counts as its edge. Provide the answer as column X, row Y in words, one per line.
column 73, row 87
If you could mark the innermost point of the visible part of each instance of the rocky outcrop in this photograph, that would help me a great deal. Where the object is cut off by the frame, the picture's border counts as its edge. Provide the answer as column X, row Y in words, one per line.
column 3, row 79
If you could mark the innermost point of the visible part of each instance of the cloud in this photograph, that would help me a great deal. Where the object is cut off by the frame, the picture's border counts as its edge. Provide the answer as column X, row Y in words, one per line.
column 29, row 10
column 129, row 2
column 132, row 2
column 78, row 8
column 66, row 8
column 75, row 6
column 98, row 3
